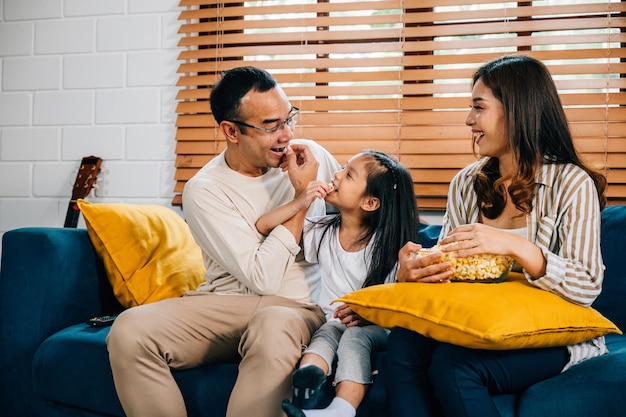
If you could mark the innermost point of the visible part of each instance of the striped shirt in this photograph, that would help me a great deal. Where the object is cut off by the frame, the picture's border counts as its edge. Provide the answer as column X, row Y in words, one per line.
column 564, row 224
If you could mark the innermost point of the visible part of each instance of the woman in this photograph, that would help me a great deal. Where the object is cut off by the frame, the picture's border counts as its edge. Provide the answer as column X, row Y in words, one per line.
column 529, row 196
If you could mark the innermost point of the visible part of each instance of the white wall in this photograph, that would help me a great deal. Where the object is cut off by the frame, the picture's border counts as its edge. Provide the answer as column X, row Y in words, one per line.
column 80, row 78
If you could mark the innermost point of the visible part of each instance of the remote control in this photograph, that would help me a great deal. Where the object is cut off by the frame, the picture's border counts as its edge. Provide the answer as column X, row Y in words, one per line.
column 101, row 321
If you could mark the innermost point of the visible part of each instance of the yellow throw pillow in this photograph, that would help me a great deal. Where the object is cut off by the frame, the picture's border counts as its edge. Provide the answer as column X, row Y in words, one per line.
column 147, row 250
column 508, row 315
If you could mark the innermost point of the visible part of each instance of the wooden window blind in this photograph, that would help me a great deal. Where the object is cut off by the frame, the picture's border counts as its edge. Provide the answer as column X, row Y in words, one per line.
column 395, row 75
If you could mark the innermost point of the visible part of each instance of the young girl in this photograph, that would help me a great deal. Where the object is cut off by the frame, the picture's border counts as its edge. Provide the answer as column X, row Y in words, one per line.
column 355, row 248
column 530, row 197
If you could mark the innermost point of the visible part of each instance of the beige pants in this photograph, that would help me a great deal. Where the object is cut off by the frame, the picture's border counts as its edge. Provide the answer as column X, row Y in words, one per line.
column 266, row 332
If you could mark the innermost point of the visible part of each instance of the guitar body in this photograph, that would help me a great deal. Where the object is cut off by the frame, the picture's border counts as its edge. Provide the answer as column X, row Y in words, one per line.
column 85, row 179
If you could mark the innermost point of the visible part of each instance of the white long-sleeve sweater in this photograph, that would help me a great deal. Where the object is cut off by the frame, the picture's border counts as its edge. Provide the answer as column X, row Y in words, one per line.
column 222, row 206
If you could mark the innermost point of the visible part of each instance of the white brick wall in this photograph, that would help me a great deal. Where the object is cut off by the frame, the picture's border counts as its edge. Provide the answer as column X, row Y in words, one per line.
column 79, row 78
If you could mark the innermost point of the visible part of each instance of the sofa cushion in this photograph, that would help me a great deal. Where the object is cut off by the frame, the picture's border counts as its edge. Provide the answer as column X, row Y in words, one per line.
column 71, row 367
column 508, row 315
column 594, row 387
column 147, row 250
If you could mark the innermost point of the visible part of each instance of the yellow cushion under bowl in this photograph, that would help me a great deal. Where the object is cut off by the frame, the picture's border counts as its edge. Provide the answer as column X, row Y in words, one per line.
column 507, row 315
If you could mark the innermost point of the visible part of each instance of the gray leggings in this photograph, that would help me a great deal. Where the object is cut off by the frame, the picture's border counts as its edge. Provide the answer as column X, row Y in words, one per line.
column 352, row 346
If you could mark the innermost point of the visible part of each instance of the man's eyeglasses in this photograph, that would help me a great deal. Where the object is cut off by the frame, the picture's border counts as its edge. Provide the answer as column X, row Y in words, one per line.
column 290, row 121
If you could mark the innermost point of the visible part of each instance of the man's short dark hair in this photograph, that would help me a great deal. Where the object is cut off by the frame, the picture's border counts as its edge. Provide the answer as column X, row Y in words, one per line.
column 233, row 85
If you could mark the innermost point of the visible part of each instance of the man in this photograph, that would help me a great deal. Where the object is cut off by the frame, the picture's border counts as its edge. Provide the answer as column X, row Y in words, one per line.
column 257, row 303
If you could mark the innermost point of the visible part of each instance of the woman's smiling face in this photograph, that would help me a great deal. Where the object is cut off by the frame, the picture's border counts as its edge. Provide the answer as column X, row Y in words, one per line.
column 487, row 120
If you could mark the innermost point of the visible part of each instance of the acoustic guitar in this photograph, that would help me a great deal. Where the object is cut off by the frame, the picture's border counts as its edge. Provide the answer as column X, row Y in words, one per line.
column 85, row 180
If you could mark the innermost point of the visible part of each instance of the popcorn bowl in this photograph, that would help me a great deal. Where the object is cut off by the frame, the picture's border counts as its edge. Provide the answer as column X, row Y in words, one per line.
column 474, row 268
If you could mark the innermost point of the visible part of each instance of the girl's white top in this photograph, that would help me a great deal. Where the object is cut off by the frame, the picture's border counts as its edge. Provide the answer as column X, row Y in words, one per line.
column 341, row 271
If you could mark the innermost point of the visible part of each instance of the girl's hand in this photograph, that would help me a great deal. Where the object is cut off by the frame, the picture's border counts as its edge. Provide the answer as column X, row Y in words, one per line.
column 314, row 189
column 348, row 317
column 413, row 268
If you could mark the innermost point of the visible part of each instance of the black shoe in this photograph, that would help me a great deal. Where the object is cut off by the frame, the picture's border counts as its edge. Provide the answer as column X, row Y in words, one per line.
column 306, row 383
column 292, row 410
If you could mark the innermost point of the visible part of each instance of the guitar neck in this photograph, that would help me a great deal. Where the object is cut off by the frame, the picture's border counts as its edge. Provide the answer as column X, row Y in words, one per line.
column 72, row 215
column 85, row 179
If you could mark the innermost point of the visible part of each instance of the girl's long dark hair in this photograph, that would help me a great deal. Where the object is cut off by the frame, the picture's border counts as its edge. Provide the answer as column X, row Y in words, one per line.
column 537, row 129
column 394, row 223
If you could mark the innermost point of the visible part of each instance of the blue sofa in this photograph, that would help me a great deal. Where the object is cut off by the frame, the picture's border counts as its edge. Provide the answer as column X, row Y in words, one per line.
column 53, row 364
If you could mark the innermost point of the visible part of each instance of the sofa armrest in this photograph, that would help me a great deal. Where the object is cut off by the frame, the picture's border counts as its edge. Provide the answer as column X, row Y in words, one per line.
column 50, row 278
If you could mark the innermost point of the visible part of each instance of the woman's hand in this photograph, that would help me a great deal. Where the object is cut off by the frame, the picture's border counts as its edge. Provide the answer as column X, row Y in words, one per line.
column 478, row 238
column 348, row 317
column 413, row 268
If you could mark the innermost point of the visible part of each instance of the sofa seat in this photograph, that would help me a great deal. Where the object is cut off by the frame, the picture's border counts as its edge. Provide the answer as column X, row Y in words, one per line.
column 71, row 367
column 596, row 387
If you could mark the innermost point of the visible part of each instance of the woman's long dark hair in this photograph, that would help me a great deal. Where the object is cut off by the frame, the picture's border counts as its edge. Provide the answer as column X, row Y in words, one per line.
column 394, row 223
column 537, row 129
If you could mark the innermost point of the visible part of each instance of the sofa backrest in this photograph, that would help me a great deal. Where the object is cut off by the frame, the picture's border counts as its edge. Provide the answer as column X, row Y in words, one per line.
column 429, row 234
column 612, row 300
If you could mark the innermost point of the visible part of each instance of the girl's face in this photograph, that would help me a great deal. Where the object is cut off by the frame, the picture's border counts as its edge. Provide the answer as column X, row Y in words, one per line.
column 486, row 118
column 350, row 184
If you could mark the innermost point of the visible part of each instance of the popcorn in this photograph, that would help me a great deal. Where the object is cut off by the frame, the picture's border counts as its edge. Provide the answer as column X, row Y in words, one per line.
column 476, row 268
column 331, row 187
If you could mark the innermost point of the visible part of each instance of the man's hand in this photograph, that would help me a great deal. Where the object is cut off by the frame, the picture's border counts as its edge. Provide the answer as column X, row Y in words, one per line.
column 301, row 166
